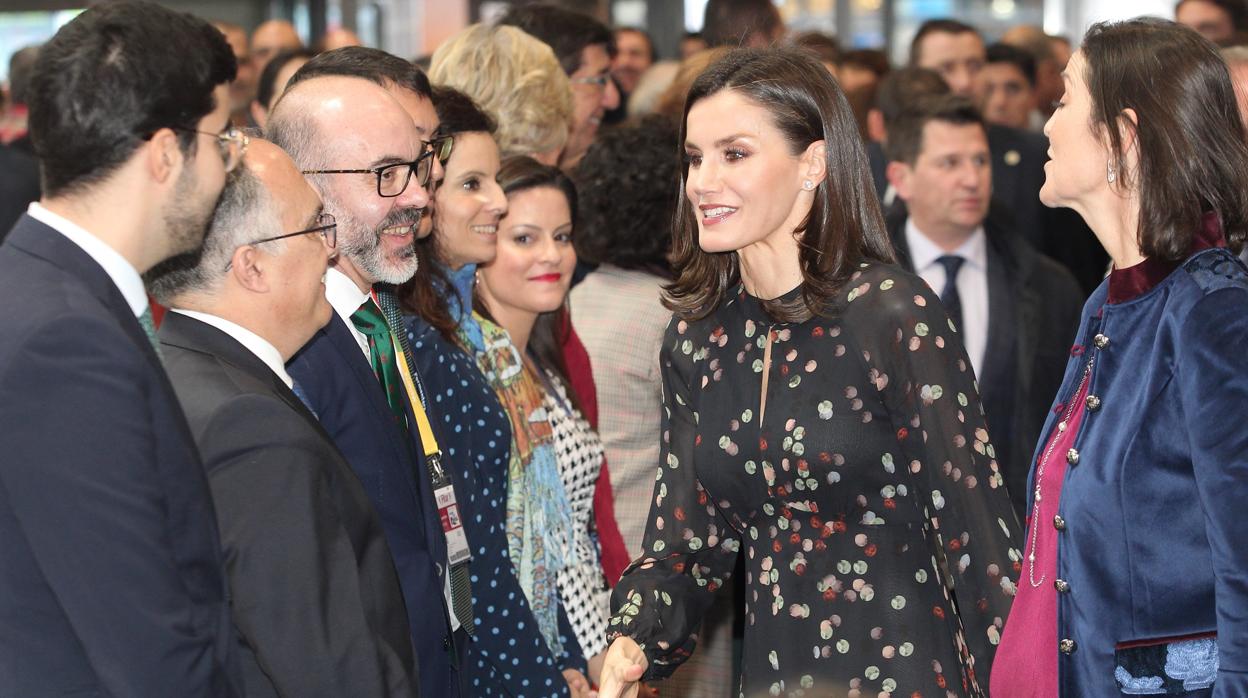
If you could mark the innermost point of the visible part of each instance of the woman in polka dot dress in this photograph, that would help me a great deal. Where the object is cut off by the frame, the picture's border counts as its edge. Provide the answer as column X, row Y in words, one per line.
column 831, row 434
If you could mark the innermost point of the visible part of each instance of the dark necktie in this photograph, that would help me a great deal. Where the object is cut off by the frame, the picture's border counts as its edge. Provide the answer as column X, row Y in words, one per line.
column 949, row 297
column 369, row 321
column 461, row 588
column 149, row 329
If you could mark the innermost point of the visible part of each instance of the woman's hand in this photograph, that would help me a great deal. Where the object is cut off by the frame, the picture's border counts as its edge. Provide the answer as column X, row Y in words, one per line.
column 622, row 669
column 577, row 683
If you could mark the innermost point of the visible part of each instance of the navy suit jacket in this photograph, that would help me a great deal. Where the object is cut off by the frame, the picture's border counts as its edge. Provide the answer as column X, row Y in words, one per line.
column 111, row 579
column 341, row 388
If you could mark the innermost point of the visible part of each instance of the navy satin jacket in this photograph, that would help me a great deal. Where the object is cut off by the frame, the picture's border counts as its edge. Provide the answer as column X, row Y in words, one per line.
column 1153, row 532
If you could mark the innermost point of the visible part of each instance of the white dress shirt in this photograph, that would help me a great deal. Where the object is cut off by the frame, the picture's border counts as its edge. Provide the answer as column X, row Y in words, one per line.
column 346, row 298
column 123, row 274
column 972, row 284
column 253, row 342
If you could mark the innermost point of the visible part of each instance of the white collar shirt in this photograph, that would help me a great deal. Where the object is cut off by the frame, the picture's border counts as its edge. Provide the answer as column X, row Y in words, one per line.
column 122, row 273
column 972, row 284
column 252, row 342
column 346, row 298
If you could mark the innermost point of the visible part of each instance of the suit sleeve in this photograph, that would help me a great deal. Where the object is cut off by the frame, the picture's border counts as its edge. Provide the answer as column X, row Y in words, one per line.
column 292, row 567
column 1213, row 389
column 80, row 471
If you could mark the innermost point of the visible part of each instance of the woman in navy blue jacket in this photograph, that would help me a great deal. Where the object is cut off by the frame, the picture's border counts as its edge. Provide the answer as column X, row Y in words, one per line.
column 1134, row 575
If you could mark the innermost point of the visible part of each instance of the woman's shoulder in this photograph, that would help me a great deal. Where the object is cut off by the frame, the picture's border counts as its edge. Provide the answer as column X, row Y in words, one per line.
column 883, row 292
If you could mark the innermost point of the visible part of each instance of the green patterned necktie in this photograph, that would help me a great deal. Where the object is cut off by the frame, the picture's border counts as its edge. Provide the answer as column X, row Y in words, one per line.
column 149, row 328
column 369, row 320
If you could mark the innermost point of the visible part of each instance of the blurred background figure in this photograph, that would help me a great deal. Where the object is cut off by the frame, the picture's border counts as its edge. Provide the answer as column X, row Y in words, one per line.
column 691, row 43
column 14, row 117
column 243, row 89
column 337, row 38
column 1220, row 21
column 824, row 46
column 272, row 82
column 634, row 54
column 746, row 23
column 1008, row 97
column 271, row 38
column 1050, row 55
column 654, row 82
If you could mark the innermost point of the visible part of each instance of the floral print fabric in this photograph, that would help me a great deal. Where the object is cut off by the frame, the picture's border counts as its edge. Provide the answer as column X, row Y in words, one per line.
column 881, row 551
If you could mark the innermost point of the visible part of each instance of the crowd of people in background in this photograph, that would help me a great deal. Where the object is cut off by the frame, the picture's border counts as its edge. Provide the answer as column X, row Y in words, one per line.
column 533, row 365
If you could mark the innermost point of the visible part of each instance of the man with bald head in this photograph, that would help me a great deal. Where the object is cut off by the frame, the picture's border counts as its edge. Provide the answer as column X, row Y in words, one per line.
column 315, row 597
column 361, row 151
column 271, row 38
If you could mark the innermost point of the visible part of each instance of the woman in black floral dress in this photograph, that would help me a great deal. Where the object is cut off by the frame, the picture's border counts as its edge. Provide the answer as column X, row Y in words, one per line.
column 832, row 434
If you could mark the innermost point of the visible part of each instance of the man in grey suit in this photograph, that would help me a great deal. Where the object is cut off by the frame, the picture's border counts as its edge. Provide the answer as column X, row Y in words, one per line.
column 316, row 600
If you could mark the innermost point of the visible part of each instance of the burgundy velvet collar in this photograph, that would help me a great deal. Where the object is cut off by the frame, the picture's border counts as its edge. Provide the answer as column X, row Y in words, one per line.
column 1136, row 280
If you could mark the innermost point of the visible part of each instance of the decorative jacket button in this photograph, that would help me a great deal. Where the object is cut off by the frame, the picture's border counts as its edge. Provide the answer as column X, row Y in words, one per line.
column 1094, row 403
column 1061, row 585
column 1101, row 341
column 1072, row 457
column 1059, row 523
column 1067, row 646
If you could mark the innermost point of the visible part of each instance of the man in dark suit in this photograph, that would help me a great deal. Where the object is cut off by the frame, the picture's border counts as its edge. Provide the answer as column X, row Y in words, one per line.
column 315, row 597
column 1015, row 309
column 19, row 186
column 957, row 52
column 112, row 580
column 351, row 371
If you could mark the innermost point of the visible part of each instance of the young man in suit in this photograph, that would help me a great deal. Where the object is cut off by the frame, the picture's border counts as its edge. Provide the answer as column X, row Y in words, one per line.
column 957, row 52
column 354, row 372
column 1015, row 309
column 315, row 596
column 112, row 580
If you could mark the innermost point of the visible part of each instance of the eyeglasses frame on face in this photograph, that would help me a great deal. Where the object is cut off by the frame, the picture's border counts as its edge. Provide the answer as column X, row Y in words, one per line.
column 226, row 141
column 599, row 81
column 329, row 231
column 413, row 166
column 441, row 146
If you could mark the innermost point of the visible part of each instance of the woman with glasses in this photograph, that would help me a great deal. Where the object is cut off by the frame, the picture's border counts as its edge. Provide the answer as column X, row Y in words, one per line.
column 476, row 431
column 821, row 421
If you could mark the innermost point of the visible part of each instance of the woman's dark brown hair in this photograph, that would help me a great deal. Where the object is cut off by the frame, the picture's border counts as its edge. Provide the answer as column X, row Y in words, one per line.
column 844, row 226
column 521, row 173
column 426, row 293
column 1192, row 153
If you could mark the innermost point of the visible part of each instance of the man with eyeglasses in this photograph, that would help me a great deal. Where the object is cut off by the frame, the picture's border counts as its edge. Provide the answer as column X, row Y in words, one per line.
column 362, row 152
column 112, row 580
column 584, row 47
column 315, row 597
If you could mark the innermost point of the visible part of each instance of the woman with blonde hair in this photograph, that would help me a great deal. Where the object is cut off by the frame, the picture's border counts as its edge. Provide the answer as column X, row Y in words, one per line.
column 517, row 80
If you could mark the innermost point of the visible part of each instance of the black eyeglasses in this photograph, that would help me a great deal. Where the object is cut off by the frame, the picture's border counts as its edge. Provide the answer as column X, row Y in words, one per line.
column 325, row 225
column 392, row 180
column 441, row 147
column 231, row 142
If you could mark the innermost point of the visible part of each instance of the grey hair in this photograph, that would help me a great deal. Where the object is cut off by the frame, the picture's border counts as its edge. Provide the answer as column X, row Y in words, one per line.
column 244, row 213
column 297, row 132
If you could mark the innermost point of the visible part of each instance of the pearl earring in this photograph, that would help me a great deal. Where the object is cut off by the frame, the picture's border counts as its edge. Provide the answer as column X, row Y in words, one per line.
column 1111, row 175
column 808, row 185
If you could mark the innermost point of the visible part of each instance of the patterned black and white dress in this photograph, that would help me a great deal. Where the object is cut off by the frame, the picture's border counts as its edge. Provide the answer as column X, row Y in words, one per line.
column 579, row 452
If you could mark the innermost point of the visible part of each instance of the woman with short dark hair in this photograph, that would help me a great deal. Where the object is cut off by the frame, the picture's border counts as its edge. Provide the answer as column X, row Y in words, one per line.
column 820, row 416
column 1134, row 576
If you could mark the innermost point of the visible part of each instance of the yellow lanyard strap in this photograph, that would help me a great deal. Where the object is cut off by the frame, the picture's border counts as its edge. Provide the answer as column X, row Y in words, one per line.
column 427, row 439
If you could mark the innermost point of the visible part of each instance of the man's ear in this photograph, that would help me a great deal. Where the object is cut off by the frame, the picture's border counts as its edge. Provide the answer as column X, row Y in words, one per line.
column 163, row 156
column 899, row 175
column 249, row 268
column 814, row 164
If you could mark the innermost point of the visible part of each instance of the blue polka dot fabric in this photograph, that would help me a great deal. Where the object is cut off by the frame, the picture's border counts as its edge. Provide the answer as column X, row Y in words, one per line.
column 508, row 655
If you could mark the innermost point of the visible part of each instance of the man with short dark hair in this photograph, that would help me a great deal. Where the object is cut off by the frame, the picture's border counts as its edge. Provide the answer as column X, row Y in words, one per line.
column 1050, row 55
column 315, row 597
column 634, row 54
column 112, row 581
column 1008, row 93
column 747, row 23
column 269, row 39
column 956, row 51
column 1015, row 310
column 585, row 48
column 360, row 149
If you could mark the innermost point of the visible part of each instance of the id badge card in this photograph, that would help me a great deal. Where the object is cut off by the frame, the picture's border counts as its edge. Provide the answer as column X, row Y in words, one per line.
column 452, row 525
